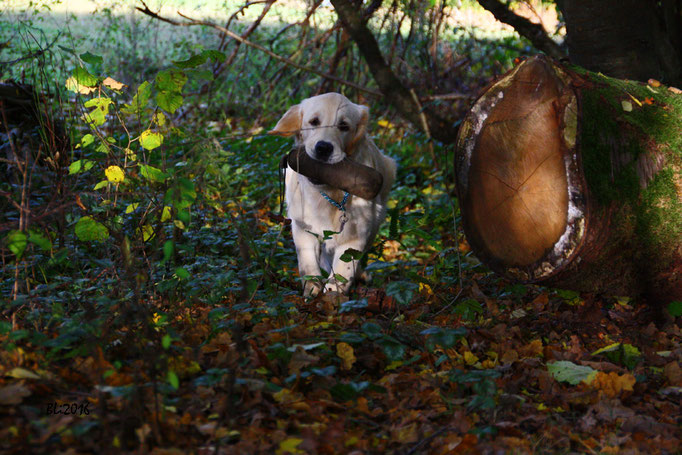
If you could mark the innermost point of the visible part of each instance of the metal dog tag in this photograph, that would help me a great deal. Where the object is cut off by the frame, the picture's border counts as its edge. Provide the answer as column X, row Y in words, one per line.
column 342, row 220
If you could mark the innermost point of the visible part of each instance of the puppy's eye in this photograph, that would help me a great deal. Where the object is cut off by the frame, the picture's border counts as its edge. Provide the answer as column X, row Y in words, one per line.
column 315, row 122
column 343, row 126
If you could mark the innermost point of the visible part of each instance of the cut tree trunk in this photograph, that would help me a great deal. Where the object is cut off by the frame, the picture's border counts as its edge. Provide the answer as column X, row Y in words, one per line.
column 573, row 179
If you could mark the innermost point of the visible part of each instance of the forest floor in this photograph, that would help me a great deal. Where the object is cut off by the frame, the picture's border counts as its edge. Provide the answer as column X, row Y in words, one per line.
column 162, row 312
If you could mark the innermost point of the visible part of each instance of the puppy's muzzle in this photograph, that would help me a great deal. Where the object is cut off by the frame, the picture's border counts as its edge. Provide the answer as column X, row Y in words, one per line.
column 323, row 150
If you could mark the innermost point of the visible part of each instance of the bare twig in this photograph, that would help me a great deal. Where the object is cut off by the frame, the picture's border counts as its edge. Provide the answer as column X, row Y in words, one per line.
column 191, row 22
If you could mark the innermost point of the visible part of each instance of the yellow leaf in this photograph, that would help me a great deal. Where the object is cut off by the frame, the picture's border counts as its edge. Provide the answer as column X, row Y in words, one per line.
column 639, row 103
column 385, row 124
column 112, row 84
column 166, row 214
column 114, row 174
column 345, row 352
column 470, row 358
column 73, row 85
column 284, row 396
column 290, row 445
column 406, row 434
column 132, row 207
column 132, row 156
column 425, row 287
column 160, row 118
column 22, row 373
column 147, row 232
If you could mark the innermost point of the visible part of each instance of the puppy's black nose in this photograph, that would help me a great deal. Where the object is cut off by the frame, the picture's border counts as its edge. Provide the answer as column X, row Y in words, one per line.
column 323, row 150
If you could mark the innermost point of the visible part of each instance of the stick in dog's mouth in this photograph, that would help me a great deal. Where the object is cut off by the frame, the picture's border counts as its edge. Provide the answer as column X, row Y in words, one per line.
column 347, row 175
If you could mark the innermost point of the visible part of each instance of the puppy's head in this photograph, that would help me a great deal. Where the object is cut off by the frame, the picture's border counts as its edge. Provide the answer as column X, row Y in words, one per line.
column 329, row 126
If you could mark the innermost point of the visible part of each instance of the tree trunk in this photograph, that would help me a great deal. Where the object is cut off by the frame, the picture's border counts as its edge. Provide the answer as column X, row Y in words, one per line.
column 573, row 179
column 629, row 39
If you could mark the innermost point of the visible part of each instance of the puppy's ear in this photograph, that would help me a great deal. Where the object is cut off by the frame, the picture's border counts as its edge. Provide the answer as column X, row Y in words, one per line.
column 290, row 123
column 361, row 129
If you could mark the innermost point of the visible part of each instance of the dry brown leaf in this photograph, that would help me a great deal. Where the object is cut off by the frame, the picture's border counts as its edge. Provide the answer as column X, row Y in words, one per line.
column 301, row 359
column 13, row 394
column 532, row 349
column 613, row 384
column 510, row 356
column 113, row 84
column 673, row 373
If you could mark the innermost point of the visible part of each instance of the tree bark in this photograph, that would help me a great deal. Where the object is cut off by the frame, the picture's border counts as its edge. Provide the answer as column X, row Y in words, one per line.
column 628, row 39
column 573, row 179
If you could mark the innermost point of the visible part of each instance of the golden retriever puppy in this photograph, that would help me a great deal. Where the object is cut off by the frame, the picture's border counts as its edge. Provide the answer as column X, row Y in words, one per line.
column 331, row 128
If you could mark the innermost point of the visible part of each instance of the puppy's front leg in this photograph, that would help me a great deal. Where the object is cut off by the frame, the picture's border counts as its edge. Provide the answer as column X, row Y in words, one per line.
column 348, row 270
column 308, row 254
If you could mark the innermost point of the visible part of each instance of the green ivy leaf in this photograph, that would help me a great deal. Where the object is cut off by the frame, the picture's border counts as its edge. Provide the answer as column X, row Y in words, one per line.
column 351, row 254
column 675, row 308
column 87, row 229
column 150, row 140
column 401, row 291
column 439, row 336
column 372, row 330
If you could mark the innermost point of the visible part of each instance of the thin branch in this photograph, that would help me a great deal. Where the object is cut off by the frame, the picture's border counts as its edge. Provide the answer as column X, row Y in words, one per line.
column 391, row 86
column 535, row 33
column 191, row 22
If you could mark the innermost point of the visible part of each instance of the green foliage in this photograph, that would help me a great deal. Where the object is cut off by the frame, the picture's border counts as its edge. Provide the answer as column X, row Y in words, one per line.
column 566, row 371
column 675, row 308
column 621, row 353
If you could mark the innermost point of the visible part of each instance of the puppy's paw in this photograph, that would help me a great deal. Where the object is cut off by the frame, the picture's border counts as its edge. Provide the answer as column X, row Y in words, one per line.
column 335, row 286
column 311, row 289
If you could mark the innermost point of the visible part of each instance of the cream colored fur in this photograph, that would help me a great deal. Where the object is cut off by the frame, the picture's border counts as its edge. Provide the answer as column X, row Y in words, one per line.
column 333, row 119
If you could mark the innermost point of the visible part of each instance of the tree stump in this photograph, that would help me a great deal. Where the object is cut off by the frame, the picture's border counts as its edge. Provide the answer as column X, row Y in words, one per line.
column 573, row 179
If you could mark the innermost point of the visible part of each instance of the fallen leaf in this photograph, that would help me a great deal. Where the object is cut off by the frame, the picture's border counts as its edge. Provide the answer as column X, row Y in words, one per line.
column 13, row 394
column 613, row 384
column 22, row 373
column 345, row 352
column 301, row 359
column 673, row 373
column 289, row 446
column 566, row 371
